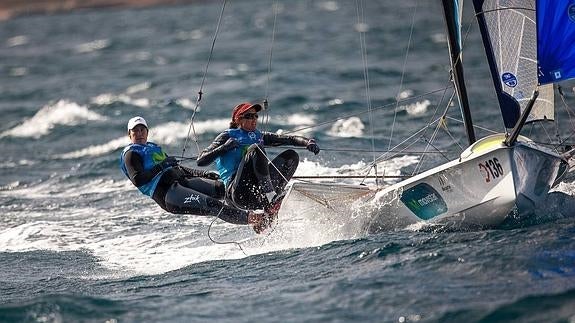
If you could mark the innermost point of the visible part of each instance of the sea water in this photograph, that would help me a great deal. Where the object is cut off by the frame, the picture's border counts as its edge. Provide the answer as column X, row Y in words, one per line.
column 79, row 243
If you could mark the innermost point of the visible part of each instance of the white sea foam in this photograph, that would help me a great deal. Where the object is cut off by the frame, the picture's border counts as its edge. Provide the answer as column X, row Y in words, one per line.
column 18, row 71
column 138, row 87
column 121, row 246
column 17, row 41
column 187, row 103
column 62, row 112
column 92, row 46
column 416, row 108
column 109, row 98
column 404, row 94
column 328, row 5
column 170, row 132
column 190, row 35
column 351, row 127
column 53, row 188
column 21, row 162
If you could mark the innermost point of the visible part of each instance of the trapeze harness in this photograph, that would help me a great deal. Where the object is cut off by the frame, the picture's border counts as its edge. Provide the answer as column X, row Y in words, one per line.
column 177, row 189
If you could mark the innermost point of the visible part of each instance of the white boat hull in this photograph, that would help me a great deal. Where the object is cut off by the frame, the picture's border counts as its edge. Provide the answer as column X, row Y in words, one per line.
column 479, row 189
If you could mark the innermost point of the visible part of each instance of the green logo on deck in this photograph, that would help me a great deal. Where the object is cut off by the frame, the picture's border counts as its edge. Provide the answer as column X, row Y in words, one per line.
column 424, row 201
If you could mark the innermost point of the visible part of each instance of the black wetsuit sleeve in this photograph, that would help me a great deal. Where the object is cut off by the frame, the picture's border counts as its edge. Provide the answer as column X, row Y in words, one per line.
column 192, row 171
column 208, row 155
column 273, row 139
column 135, row 167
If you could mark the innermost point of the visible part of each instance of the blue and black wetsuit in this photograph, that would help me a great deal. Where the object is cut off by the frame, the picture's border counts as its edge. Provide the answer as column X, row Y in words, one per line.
column 176, row 189
column 244, row 167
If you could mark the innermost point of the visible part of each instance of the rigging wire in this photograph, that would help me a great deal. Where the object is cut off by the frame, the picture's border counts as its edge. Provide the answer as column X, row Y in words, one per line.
column 191, row 128
column 444, row 115
column 412, row 27
column 366, row 111
column 566, row 106
column 360, row 25
column 265, row 120
column 435, row 131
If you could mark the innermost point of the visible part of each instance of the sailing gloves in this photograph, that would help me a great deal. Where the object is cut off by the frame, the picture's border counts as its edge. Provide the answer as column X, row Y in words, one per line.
column 312, row 146
column 170, row 161
column 211, row 175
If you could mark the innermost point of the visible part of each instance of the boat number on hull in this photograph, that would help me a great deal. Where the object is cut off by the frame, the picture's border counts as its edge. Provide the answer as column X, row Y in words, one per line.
column 491, row 169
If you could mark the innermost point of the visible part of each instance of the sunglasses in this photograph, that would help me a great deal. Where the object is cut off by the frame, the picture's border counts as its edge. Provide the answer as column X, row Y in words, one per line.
column 250, row 116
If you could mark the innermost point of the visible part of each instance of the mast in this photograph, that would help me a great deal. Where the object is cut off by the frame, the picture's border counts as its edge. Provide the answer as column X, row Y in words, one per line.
column 452, row 11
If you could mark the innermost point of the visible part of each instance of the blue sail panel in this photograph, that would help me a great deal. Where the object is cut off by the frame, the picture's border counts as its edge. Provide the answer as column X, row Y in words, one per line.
column 555, row 40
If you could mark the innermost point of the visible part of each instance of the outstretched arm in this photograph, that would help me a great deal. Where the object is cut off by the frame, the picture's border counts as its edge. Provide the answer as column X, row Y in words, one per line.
column 272, row 139
column 221, row 145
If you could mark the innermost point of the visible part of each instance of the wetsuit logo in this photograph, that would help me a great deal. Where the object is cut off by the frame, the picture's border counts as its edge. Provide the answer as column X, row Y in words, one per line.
column 192, row 198
column 158, row 157
column 252, row 135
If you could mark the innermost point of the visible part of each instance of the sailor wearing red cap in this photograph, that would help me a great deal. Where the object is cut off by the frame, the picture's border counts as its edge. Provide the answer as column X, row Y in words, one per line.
column 252, row 182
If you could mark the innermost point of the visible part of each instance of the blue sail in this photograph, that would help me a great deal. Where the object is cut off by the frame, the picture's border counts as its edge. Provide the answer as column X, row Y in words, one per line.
column 555, row 40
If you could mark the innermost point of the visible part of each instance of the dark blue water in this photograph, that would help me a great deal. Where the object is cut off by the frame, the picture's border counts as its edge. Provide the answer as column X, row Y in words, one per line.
column 79, row 243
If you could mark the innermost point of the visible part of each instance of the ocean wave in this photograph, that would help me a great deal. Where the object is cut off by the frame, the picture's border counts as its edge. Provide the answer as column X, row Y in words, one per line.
column 63, row 112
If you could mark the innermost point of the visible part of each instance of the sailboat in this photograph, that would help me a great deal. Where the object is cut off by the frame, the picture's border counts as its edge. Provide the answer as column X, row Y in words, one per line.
column 529, row 47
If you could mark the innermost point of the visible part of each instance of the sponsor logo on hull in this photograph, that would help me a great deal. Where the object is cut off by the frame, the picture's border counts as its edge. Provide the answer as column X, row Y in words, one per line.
column 424, row 201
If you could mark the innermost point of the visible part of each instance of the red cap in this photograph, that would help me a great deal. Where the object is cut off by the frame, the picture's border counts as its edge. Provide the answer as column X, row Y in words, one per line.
column 242, row 108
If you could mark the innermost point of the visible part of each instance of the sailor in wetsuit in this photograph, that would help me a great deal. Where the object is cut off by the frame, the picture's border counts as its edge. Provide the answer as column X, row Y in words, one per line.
column 175, row 188
column 242, row 162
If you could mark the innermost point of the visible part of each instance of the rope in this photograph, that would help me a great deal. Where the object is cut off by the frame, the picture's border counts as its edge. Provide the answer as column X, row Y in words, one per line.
column 200, row 91
column 223, row 242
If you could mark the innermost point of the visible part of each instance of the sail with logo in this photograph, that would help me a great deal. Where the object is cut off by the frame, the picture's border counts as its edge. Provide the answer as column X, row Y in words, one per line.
column 512, row 58
column 495, row 175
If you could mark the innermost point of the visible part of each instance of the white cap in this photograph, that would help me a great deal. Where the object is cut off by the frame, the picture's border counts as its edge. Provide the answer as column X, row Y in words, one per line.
column 136, row 121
